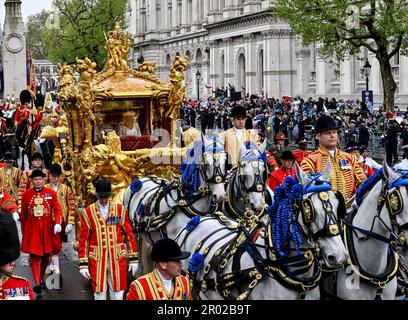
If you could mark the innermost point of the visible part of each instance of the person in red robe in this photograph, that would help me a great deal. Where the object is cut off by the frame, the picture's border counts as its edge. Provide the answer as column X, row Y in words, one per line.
column 41, row 218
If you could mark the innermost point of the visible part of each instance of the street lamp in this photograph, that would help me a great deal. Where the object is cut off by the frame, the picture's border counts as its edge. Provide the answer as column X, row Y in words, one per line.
column 367, row 70
column 198, row 78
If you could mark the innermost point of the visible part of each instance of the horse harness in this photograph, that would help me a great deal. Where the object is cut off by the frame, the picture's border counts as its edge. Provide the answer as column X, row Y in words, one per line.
column 394, row 204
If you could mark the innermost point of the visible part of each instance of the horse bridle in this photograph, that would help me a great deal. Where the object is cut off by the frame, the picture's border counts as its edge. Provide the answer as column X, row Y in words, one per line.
column 332, row 227
column 259, row 180
column 218, row 175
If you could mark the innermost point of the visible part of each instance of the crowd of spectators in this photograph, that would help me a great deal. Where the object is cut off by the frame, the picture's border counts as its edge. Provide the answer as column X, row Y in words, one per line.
column 359, row 122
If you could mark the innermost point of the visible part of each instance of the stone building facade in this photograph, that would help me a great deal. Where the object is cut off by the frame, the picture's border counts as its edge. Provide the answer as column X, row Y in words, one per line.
column 239, row 42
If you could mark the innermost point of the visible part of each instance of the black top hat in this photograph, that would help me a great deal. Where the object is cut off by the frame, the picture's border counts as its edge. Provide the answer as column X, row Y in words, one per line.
column 37, row 155
column 55, row 169
column 287, row 155
column 352, row 145
column 39, row 101
column 37, row 173
column 325, row 123
column 168, row 250
column 25, row 97
column 238, row 111
column 103, row 188
column 9, row 241
column 8, row 157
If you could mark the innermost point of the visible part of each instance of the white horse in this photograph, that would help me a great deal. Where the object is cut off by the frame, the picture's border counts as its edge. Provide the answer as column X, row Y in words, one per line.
column 200, row 191
column 247, row 189
column 231, row 262
column 372, row 233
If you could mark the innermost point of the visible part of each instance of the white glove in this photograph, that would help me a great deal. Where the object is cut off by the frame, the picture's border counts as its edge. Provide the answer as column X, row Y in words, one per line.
column 57, row 228
column 68, row 228
column 16, row 216
column 85, row 273
column 133, row 267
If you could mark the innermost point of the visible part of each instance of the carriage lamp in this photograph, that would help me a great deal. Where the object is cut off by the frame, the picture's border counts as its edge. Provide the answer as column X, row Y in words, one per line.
column 367, row 71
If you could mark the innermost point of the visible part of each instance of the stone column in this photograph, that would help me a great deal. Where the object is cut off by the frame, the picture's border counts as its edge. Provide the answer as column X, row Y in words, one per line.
column 174, row 10
column 251, row 63
column 322, row 76
column 273, row 71
column 346, row 76
column 184, row 18
column 195, row 18
column 151, row 15
column 14, row 50
column 303, row 69
column 251, row 6
column 229, row 62
column 403, row 71
column 213, row 66
column 229, row 10
column 375, row 82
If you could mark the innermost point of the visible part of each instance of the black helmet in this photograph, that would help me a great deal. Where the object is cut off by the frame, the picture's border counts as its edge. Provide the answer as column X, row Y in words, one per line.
column 103, row 188
column 352, row 145
column 167, row 250
column 25, row 97
column 325, row 123
column 55, row 169
column 39, row 101
column 287, row 155
column 9, row 241
column 238, row 111
column 8, row 157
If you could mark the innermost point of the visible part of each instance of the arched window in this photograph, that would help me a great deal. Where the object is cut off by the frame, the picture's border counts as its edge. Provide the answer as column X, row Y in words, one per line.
column 241, row 78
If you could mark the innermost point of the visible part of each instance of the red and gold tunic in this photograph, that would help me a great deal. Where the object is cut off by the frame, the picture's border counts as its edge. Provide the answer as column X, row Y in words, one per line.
column 151, row 287
column 15, row 288
column 67, row 201
column 346, row 173
column 301, row 154
column 7, row 203
column 101, row 241
column 26, row 183
column 21, row 114
column 11, row 181
column 277, row 177
column 40, row 212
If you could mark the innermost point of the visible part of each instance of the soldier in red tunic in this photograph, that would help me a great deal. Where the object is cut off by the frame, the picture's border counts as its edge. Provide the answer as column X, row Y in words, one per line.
column 165, row 282
column 302, row 152
column 286, row 170
column 105, row 226
column 24, row 110
column 11, row 287
column 41, row 218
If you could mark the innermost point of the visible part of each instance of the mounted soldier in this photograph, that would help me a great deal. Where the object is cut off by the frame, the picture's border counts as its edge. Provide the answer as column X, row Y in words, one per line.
column 346, row 174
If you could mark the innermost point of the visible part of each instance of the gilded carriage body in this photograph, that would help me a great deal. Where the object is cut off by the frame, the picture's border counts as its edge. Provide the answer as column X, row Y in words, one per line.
column 119, row 123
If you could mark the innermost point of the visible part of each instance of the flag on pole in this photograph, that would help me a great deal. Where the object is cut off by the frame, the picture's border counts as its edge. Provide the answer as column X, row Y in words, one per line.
column 31, row 86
